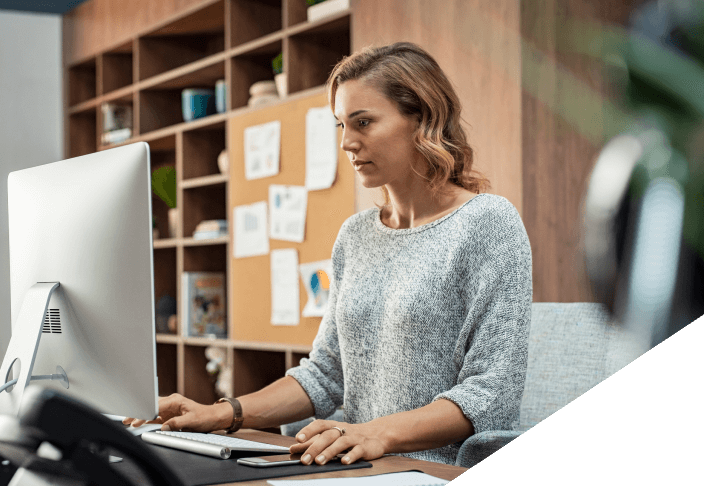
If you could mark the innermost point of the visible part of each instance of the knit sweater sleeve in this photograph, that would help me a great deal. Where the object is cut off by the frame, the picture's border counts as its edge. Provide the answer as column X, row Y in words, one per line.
column 321, row 374
column 493, row 344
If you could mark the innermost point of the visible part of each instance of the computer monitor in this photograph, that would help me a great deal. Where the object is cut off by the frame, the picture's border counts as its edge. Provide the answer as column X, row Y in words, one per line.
column 82, row 282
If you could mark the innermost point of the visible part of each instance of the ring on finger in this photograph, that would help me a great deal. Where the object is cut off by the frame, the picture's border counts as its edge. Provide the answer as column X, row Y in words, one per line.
column 340, row 430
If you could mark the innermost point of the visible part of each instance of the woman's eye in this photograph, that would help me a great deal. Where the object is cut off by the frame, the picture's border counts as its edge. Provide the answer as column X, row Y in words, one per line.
column 339, row 125
column 363, row 123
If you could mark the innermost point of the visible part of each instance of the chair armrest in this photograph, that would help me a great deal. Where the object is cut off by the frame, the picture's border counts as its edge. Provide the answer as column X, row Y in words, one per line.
column 480, row 446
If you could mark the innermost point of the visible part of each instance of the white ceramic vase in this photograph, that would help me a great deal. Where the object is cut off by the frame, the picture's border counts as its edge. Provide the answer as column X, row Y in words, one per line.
column 173, row 222
column 223, row 162
column 281, row 84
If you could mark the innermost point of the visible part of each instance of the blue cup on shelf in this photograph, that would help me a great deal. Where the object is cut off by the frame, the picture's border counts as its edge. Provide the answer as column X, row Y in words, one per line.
column 197, row 103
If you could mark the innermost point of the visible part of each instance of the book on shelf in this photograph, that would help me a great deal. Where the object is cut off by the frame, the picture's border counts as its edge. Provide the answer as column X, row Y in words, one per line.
column 116, row 136
column 116, row 116
column 214, row 228
column 117, row 123
column 203, row 304
column 208, row 235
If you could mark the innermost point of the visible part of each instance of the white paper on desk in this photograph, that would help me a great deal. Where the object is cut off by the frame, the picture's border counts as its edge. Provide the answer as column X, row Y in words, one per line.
column 262, row 147
column 287, row 212
column 410, row 478
column 321, row 148
column 285, row 297
column 316, row 280
column 250, row 230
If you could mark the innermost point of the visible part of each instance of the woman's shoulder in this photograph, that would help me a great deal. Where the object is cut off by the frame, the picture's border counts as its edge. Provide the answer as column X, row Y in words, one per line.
column 491, row 209
column 360, row 221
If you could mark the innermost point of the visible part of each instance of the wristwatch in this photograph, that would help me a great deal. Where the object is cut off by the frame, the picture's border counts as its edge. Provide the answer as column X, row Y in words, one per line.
column 237, row 418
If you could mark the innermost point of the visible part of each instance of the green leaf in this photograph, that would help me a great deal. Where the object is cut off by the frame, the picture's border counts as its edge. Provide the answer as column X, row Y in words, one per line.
column 278, row 64
column 164, row 184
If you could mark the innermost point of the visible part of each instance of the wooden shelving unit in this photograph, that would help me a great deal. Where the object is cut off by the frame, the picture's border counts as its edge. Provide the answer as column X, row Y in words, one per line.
column 234, row 40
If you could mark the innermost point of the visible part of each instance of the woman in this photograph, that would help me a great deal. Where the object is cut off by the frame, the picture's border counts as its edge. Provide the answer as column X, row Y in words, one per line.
column 425, row 337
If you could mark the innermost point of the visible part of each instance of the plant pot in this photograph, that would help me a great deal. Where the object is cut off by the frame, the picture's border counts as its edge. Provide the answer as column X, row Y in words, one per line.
column 281, row 84
column 173, row 222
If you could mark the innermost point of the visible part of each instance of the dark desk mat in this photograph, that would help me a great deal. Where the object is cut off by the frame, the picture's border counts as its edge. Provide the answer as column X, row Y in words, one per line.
column 196, row 470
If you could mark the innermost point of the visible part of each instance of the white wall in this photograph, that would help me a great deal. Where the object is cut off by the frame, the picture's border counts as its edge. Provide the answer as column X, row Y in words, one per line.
column 31, row 123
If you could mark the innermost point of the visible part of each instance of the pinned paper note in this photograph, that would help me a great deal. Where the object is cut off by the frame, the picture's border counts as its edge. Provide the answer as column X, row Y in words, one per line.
column 321, row 148
column 262, row 147
column 285, row 297
column 287, row 211
column 316, row 279
column 250, row 230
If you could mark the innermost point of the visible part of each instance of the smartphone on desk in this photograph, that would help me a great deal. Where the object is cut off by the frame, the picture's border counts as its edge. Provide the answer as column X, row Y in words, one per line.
column 278, row 460
column 270, row 461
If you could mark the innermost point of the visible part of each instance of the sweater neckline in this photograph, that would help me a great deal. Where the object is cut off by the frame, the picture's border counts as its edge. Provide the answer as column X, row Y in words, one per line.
column 406, row 231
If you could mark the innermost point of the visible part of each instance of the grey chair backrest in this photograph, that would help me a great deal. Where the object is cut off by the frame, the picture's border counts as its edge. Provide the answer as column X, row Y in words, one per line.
column 572, row 347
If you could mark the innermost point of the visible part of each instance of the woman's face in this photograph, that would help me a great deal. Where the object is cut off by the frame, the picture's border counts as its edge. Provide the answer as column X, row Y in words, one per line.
column 377, row 137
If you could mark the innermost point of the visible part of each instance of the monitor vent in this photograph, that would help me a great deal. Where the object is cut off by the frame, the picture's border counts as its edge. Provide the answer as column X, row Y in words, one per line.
column 52, row 322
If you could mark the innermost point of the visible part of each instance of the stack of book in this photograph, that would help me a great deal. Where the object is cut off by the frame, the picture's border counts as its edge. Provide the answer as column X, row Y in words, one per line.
column 117, row 123
column 213, row 228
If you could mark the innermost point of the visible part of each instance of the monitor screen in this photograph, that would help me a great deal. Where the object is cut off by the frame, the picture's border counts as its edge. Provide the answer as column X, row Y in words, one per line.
column 86, row 224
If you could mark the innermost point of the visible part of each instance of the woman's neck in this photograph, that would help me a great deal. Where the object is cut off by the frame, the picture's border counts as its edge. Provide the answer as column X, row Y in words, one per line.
column 411, row 206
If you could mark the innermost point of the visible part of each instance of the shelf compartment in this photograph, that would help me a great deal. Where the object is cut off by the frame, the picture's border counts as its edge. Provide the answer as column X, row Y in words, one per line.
column 250, row 67
column 82, row 82
column 251, row 19
column 313, row 52
column 160, row 106
column 198, row 384
column 201, row 149
column 162, row 152
column 117, row 68
column 159, row 109
column 82, row 132
column 186, row 40
column 201, row 74
column 202, row 203
column 205, row 259
column 297, row 12
column 166, row 368
column 165, row 278
column 257, row 369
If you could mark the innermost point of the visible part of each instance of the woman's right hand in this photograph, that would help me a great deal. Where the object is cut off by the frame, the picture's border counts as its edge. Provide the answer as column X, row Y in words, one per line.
column 177, row 412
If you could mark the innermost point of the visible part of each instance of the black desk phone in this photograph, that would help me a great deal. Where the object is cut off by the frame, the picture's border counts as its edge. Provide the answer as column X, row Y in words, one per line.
column 83, row 438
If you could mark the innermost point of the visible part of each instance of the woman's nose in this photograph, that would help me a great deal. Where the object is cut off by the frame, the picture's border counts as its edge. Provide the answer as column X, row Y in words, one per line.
column 348, row 143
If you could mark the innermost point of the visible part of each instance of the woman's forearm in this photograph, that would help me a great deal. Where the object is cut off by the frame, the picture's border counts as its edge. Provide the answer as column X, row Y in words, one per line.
column 282, row 402
column 435, row 425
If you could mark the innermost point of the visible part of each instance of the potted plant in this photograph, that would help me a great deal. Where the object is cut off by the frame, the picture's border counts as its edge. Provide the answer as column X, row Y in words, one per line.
column 164, row 186
column 277, row 65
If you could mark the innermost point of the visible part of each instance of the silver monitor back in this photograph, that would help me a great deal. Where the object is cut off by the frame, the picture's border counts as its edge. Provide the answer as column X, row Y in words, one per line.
column 86, row 223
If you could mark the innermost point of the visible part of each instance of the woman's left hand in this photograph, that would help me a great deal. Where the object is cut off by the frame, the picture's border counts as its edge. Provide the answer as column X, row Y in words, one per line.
column 320, row 442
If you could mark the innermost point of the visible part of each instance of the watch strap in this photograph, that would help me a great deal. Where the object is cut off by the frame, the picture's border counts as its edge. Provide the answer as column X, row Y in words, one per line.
column 237, row 417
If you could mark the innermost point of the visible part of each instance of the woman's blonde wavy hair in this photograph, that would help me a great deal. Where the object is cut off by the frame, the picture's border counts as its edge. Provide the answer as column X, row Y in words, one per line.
column 410, row 77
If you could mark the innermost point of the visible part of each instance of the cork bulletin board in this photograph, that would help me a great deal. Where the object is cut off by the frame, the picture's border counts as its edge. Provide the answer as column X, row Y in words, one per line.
column 250, row 277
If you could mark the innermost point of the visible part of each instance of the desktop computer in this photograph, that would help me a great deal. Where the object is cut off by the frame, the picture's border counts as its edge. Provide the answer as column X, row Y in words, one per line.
column 82, row 282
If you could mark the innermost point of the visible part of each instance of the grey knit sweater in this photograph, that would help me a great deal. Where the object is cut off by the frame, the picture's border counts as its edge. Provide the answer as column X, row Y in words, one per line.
column 420, row 314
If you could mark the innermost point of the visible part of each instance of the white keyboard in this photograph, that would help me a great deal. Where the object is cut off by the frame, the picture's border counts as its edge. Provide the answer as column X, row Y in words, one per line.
column 213, row 445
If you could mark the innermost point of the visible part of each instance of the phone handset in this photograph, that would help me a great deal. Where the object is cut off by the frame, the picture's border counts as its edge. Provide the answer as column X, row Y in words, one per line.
column 80, row 433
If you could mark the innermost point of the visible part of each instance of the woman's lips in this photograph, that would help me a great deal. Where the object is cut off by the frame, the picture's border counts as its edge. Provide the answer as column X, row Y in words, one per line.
column 358, row 164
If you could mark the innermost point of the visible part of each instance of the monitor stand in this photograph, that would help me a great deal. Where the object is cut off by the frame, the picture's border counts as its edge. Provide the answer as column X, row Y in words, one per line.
column 20, row 355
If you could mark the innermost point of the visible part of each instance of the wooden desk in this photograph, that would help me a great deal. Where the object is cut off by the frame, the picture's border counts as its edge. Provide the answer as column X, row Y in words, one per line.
column 386, row 464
